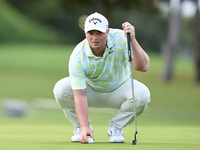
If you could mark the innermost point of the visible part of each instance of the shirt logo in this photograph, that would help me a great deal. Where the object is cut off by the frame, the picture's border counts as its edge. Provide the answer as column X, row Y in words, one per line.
column 110, row 52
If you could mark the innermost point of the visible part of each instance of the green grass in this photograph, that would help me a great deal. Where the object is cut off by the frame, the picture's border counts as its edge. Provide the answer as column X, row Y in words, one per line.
column 27, row 67
column 153, row 133
column 29, row 71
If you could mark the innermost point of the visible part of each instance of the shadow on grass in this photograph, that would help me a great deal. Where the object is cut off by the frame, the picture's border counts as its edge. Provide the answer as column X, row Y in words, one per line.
column 78, row 143
column 126, row 143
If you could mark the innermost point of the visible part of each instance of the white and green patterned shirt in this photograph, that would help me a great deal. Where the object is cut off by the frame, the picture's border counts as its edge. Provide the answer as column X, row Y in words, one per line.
column 103, row 74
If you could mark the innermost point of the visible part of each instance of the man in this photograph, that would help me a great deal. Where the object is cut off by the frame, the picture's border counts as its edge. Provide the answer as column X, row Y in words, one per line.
column 99, row 76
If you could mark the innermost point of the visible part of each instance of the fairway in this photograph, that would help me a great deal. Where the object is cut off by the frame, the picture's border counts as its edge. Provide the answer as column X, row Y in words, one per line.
column 29, row 72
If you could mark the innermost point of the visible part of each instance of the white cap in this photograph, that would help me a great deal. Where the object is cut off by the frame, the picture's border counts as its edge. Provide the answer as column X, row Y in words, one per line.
column 96, row 21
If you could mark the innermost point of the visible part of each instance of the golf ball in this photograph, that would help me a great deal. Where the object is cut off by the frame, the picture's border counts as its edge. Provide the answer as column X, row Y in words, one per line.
column 90, row 141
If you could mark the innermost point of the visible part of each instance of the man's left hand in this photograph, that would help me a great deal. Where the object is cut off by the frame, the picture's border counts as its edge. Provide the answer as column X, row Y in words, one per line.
column 128, row 28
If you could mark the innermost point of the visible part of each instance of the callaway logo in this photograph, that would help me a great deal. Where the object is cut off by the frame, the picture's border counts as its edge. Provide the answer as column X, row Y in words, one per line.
column 95, row 20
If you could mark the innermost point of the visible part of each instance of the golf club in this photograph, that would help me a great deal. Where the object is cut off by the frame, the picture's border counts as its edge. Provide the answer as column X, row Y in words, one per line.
column 132, row 84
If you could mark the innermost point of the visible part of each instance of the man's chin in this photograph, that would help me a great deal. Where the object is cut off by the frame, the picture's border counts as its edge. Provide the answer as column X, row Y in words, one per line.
column 95, row 47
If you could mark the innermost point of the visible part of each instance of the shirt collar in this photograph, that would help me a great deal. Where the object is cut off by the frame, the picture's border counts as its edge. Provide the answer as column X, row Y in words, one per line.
column 110, row 42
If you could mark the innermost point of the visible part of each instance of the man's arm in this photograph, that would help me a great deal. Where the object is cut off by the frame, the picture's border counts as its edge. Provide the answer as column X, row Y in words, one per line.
column 140, row 58
column 81, row 106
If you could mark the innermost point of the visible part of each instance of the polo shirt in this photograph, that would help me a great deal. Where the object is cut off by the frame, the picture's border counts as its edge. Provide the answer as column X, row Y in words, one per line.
column 103, row 74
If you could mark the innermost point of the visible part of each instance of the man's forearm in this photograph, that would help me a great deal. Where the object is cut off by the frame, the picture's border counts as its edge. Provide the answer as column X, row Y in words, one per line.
column 140, row 58
column 81, row 105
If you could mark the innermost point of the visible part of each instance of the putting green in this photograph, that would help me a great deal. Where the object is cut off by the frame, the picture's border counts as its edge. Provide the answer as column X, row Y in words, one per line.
column 154, row 132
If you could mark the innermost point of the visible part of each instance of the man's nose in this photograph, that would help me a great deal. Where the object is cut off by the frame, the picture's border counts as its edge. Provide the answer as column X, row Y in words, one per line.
column 95, row 36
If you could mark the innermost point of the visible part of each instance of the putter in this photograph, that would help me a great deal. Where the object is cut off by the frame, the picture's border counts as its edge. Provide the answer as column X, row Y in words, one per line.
column 132, row 84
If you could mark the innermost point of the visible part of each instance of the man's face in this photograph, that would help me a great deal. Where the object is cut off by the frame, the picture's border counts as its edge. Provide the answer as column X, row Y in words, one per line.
column 97, row 40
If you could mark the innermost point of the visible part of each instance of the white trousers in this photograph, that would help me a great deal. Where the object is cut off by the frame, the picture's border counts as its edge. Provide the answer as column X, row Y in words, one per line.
column 120, row 98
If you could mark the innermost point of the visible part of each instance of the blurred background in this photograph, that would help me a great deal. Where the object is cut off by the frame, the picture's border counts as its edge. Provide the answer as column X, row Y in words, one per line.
column 37, row 38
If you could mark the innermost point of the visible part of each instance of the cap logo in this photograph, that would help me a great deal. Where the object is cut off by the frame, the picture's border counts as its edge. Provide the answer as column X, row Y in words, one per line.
column 95, row 20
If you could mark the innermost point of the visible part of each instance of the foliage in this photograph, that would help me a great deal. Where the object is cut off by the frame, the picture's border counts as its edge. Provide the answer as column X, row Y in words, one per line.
column 57, row 20
column 16, row 27
column 62, row 16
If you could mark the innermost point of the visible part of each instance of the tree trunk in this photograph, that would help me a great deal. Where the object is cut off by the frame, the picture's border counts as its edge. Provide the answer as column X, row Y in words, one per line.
column 197, row 41
column 171, row 45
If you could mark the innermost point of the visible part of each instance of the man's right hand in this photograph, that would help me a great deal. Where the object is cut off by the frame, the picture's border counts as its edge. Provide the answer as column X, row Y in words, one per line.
column 85, row 133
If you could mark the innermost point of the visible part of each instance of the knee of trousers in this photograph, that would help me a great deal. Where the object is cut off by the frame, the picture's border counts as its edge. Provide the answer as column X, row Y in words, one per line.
column 63, row 93
column 142, row 99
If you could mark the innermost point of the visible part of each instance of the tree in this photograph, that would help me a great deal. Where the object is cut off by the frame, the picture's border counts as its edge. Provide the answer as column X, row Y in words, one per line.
column 62, row 16
column 197, row 41
column 171, row 45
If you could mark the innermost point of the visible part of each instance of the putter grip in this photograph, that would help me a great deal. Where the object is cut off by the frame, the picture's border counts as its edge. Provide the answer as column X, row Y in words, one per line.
column 129, row 47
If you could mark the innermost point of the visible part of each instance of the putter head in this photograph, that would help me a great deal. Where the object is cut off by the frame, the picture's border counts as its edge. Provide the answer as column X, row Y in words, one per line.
column 134, row 142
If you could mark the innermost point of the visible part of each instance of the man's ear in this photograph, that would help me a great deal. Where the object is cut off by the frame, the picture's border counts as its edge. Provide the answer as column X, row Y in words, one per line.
column 108, row 30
